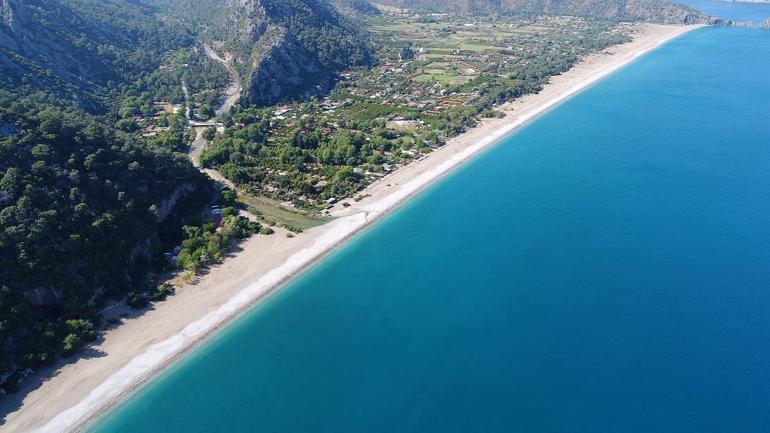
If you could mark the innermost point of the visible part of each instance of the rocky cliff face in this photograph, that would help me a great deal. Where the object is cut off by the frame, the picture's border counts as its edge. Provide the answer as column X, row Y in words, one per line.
column 6, row 12
column 167, row 206
column 286, row 49
column 247, row 18
column 43, row 296
column 730, row 23
column 284, row 69
column 9, row 27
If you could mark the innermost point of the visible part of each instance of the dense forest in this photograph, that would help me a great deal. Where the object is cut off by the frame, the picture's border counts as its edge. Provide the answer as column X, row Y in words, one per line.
column 84, row 51
column 86, row 207
column 83, row 214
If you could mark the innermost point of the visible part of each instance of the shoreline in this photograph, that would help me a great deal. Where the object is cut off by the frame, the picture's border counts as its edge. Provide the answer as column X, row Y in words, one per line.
column 141, row 347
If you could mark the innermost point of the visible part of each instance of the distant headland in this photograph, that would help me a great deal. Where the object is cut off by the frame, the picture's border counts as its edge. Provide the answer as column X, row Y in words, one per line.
column 731, row 23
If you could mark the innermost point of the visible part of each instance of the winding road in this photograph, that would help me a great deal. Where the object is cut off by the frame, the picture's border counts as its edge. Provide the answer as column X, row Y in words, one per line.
column 234, row 90
column 232, row 95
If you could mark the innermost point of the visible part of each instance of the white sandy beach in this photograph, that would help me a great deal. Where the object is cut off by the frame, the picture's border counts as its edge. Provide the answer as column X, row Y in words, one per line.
column 141, row 346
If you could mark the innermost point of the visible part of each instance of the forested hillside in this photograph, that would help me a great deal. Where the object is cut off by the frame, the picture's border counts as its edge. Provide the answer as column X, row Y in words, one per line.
column 82, row 213
column 85, row 209
column 626, row 10
column 82, row 50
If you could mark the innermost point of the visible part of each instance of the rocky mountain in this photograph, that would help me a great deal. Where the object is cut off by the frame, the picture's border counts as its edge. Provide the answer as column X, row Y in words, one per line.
column 720, row 22
column 631, row 10
column 296, row 48
column 283, row 49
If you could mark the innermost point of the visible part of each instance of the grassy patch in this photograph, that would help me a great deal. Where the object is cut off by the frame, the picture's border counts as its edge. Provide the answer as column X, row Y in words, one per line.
column 272, row 210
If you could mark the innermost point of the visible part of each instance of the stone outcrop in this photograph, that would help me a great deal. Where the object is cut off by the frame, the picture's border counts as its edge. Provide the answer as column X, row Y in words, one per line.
column 283, row 69
column 7, row 13
column 730, row 23
column 696, row 19
column 9, row 25
column 252, row 18
column 43, row 296
column 273, row 44
column 51, row 296
column 167, row 206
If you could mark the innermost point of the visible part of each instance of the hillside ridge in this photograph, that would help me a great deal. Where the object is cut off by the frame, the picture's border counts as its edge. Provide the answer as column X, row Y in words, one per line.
column 626, row 10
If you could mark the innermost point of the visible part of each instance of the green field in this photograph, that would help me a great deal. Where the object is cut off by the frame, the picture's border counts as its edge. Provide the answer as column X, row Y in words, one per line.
column 272, row 210
column 441, row 78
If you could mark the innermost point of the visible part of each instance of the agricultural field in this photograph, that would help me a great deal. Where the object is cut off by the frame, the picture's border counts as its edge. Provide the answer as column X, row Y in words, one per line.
column 436, row 76
column 454, row 50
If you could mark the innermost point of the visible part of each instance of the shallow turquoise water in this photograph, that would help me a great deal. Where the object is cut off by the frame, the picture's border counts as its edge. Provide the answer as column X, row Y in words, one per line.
column 606, row 269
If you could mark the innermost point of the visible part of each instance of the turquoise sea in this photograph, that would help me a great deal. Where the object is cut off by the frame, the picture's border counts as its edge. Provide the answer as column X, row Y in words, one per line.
column 605, row 269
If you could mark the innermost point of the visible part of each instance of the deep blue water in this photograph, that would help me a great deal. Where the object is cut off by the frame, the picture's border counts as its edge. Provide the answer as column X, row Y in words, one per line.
column 736, row 11
column 606, row 269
